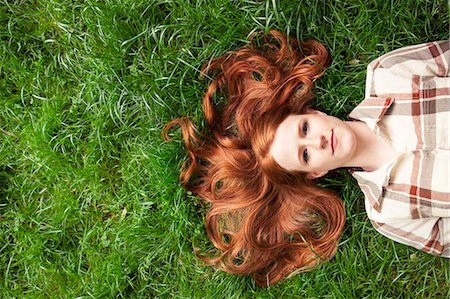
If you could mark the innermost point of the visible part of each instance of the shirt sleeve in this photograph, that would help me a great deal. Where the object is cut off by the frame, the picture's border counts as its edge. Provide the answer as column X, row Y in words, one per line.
column 393, row 72
column 429, row 59
column 431, row 235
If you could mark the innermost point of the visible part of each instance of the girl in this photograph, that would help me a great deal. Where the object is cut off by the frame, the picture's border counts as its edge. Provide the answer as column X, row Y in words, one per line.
column 257, row 164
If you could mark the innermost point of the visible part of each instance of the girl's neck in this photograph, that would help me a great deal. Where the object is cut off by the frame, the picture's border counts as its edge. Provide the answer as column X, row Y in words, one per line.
column 371, row 151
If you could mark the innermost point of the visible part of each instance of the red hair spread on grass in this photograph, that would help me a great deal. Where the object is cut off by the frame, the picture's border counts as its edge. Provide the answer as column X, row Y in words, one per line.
column 263, row 220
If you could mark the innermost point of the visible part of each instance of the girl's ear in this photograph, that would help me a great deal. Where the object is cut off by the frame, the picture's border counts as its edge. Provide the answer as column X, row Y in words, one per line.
column 316, row 174
column 313, row 111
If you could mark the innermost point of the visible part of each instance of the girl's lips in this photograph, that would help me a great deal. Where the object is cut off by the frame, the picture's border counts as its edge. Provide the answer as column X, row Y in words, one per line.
column 333, row 141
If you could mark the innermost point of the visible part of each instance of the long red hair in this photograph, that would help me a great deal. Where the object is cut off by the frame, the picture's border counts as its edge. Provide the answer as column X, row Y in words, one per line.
column 263, row 220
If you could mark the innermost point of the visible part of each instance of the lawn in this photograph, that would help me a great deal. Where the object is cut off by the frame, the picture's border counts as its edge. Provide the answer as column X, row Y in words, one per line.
column 90, row 203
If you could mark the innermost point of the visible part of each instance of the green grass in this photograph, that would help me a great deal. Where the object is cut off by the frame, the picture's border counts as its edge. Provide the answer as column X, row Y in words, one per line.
column 90, row 204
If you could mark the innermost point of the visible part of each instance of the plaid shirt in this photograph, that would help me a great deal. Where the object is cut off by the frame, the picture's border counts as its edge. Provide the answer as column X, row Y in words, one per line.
column 407, row 103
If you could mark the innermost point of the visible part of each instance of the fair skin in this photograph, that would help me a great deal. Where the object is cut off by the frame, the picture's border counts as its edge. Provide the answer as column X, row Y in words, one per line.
column 316, row 143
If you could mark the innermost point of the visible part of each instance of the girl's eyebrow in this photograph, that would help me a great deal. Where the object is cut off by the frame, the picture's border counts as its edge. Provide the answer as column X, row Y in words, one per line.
column 300, row 128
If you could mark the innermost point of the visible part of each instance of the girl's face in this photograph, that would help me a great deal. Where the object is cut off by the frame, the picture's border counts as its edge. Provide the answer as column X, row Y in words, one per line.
column 313, row 143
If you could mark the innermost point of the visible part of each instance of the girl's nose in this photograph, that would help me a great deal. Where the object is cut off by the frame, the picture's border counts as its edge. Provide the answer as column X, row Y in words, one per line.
column 320, row 142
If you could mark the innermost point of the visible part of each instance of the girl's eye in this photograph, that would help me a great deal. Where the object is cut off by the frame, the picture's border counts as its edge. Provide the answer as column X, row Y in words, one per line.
column 305, row 127
column 305, row 156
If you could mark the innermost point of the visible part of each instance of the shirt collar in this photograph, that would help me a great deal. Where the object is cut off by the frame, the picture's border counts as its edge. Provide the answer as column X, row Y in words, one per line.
column 371, row 111
column 373, row 182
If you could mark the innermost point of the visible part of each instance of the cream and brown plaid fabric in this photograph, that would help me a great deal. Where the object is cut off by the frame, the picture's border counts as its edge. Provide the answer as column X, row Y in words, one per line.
column 408, row 104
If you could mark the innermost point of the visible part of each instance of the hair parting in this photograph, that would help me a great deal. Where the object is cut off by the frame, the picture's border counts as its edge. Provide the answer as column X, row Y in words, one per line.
column 262, row 220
